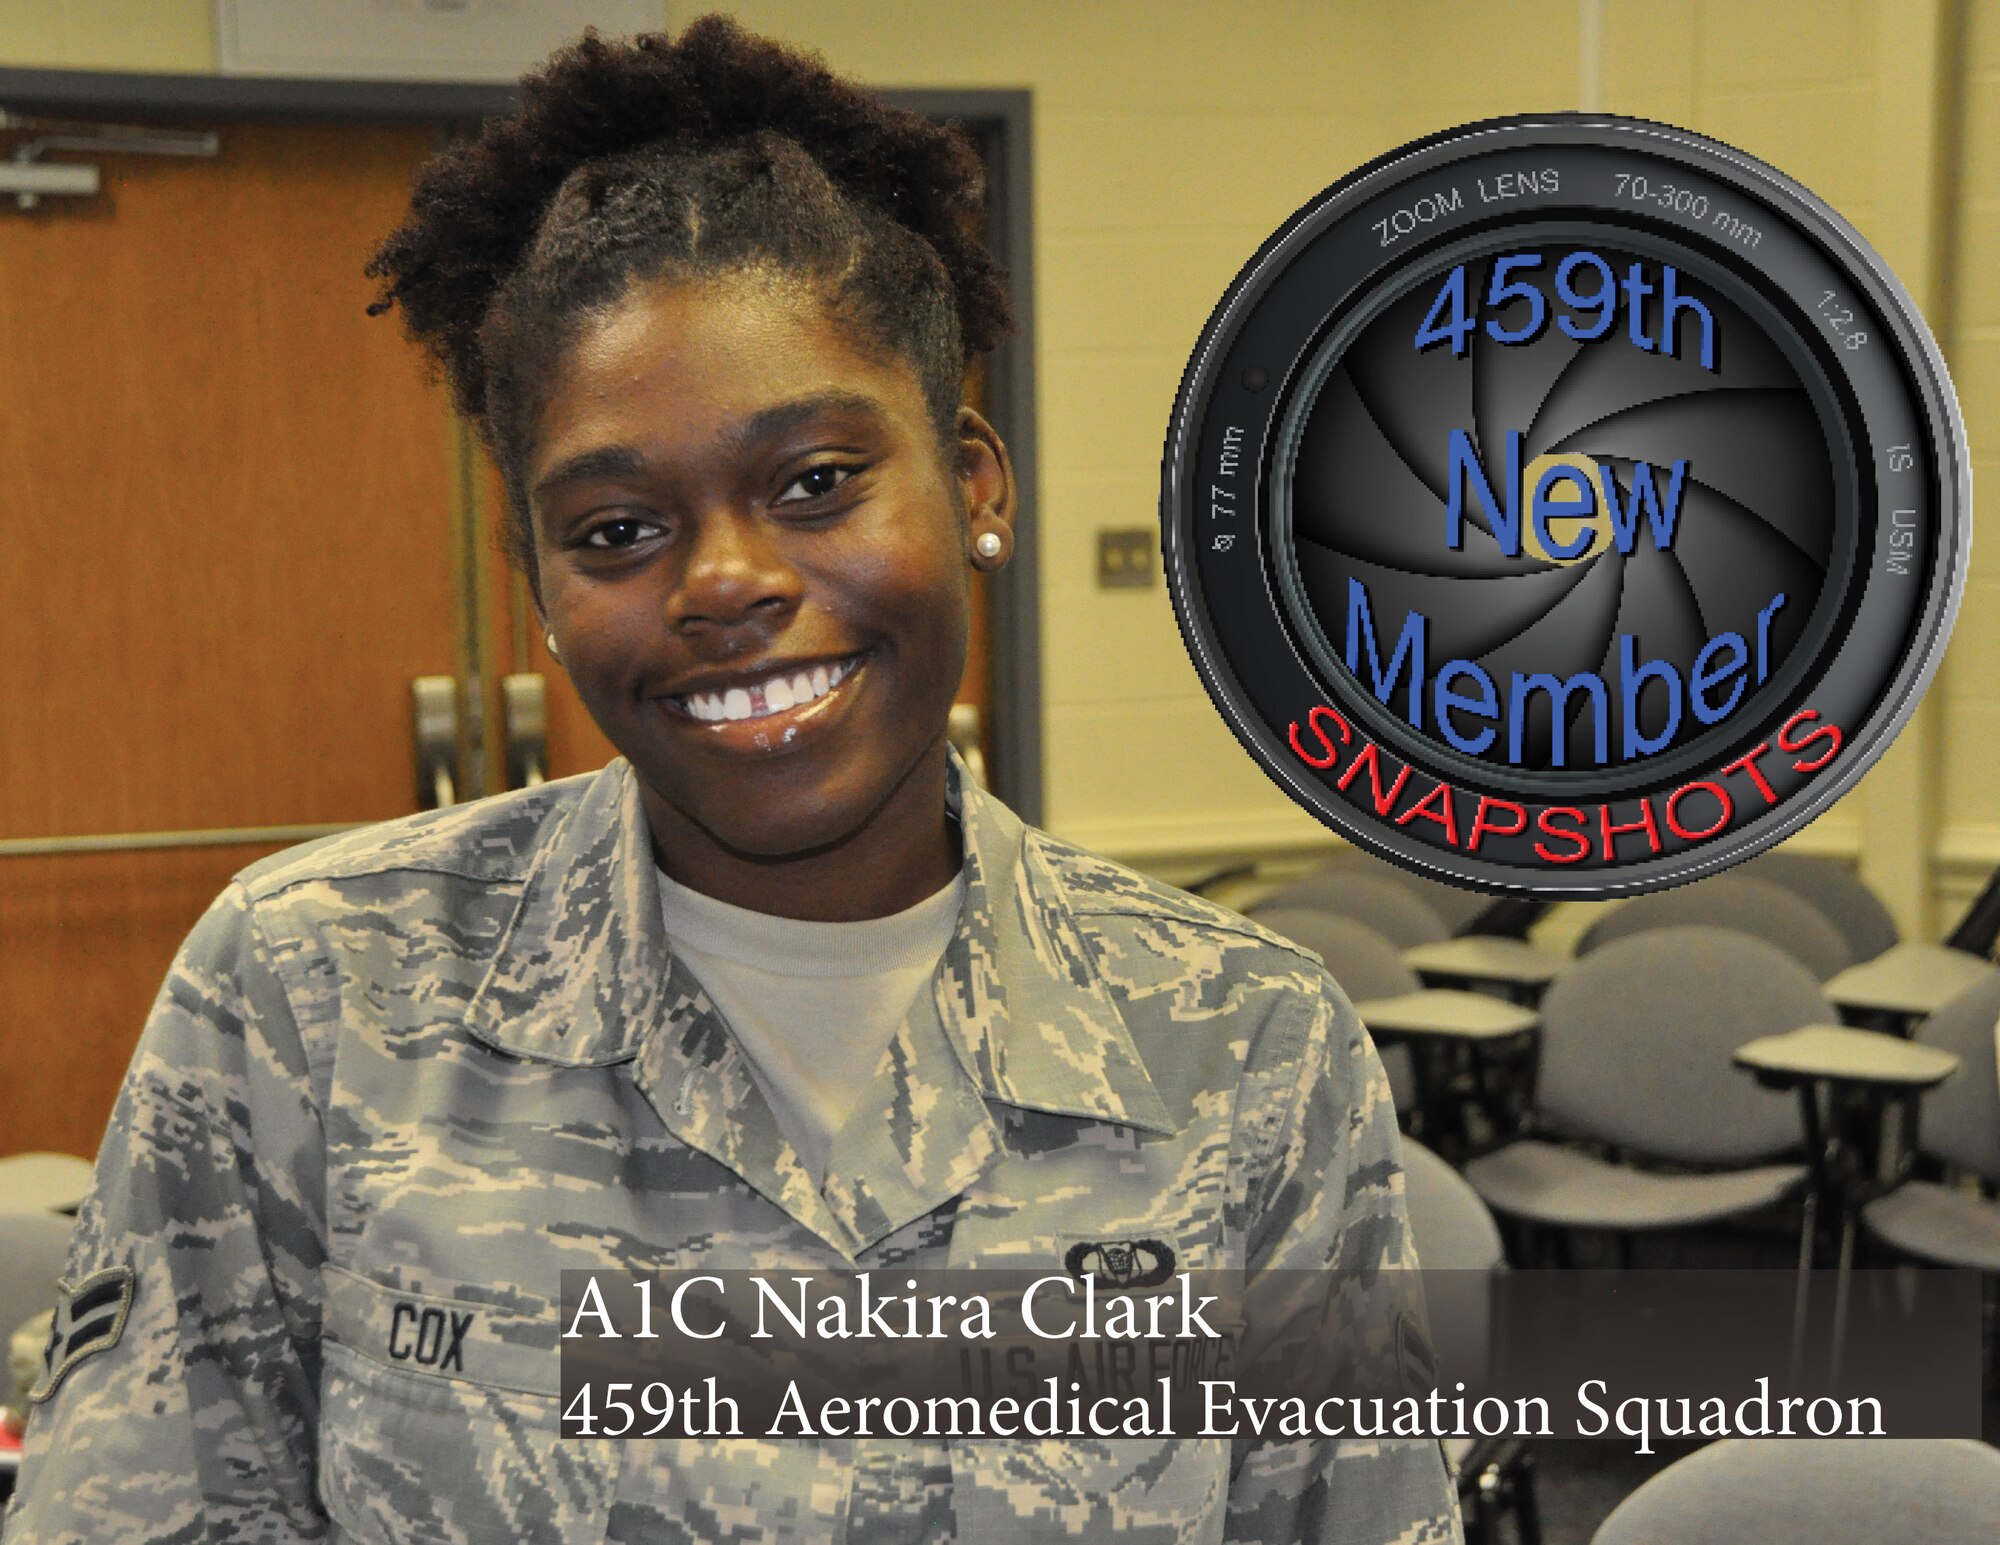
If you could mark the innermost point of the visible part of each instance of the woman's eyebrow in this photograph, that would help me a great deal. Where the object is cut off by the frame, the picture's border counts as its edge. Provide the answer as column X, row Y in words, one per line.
column 585, row 466
column 761, row 427
column 781, row 419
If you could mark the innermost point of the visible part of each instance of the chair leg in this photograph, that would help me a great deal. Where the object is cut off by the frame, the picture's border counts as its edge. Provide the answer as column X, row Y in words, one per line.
column 1482, row 1523
column 1527, row 1244
column 1842, row 1282
column 1802, row 1281
column 1989, row 1322
column 1527, row 1514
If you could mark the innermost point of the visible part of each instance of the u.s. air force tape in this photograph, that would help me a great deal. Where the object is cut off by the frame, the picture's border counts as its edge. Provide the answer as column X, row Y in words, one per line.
column 1567, row 506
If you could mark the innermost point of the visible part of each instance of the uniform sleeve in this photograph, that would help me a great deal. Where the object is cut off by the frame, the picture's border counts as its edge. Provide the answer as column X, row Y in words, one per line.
column 179, row 1398
column 1331, row 1197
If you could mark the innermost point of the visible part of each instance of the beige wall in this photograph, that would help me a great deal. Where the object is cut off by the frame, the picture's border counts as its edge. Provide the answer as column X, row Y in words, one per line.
column 1968, row 697
column 1849, row 97
column 172, row 35
column 1173, row 135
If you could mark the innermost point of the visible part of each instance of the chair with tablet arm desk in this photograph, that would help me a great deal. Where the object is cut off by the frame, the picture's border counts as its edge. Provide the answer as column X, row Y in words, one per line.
column 1636, row 1045
column 1490, row 952
column 1959, row 1125
column 1474, row 943
column 33, row 1244
column 1441, row 1049
column 1836, row 892
column 1857, row 1090
column 1897, row 989
column 1900, row 988
column 1747, row 906
column 43, row 1182
column 1388, row 903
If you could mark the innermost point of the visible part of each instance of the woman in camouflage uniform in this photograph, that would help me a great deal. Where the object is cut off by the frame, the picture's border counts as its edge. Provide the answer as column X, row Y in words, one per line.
column 713, row 309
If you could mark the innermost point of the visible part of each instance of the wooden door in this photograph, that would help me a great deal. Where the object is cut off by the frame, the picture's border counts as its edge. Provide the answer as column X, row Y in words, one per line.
column 226, row 519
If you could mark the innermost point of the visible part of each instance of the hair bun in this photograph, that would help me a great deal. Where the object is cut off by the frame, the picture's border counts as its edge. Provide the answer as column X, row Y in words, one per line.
column 478, row 205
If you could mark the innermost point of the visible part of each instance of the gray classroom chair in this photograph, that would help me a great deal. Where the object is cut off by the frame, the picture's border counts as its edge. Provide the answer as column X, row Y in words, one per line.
column 1636, row 1045
column 34, row 1239
column 1836, row 892
column 1959, row 1123
column 1322, row 889
column 1743, row 905
column 1451, row 1225
column 43, row 1182
column 1394, row 910
column 1455, row 1234
column 32, row 1249
column 1365, row 965
column 1816, row 1491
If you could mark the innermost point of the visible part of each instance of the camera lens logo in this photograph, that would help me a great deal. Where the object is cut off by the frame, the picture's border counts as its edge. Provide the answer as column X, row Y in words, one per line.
column 1569, row 506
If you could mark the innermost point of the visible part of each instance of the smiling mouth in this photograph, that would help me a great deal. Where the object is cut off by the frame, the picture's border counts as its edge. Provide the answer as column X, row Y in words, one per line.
column 774, row 695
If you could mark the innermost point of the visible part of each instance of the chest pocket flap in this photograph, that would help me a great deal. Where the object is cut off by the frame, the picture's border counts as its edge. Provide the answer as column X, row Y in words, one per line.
column 438, row 1424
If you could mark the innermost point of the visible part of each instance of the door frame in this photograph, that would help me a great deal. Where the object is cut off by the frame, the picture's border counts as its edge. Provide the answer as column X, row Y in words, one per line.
column 1000, row 121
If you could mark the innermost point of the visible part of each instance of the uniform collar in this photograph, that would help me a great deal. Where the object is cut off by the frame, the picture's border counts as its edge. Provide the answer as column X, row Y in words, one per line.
column 1018, row 1015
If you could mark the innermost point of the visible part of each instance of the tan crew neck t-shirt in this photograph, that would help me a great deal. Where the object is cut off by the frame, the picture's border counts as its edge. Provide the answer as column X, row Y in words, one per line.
column 812, row 1005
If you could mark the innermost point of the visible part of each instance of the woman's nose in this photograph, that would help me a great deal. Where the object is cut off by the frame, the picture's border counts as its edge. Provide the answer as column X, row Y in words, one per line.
column 734, row 571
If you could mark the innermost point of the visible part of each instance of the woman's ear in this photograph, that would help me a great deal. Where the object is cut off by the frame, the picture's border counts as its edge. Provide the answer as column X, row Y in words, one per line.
column 548, row 633
column 986, row 484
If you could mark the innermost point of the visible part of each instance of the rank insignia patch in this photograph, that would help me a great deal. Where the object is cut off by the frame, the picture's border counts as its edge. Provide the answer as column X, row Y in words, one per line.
column 90, row 1317
column 1125, row 1263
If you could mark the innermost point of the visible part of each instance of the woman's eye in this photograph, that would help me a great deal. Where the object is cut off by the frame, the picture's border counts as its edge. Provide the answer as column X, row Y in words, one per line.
column 619, row 533
column 816, row 483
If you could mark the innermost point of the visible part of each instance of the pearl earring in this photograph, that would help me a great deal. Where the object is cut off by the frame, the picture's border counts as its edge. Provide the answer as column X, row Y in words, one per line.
column 550, row 640
column 988, row 545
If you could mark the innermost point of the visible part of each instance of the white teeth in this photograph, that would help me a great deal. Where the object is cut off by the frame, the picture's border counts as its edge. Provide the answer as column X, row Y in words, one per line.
column 768, row 697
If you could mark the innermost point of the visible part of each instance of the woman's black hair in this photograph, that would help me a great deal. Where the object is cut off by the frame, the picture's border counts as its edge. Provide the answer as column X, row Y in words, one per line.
column 712, row 153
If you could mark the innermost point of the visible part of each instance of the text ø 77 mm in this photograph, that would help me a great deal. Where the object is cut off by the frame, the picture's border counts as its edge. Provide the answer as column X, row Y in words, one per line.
column 1568, row 506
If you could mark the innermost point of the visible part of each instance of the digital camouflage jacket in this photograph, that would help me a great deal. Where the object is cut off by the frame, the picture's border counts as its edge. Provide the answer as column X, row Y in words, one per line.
column 426, row 1066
